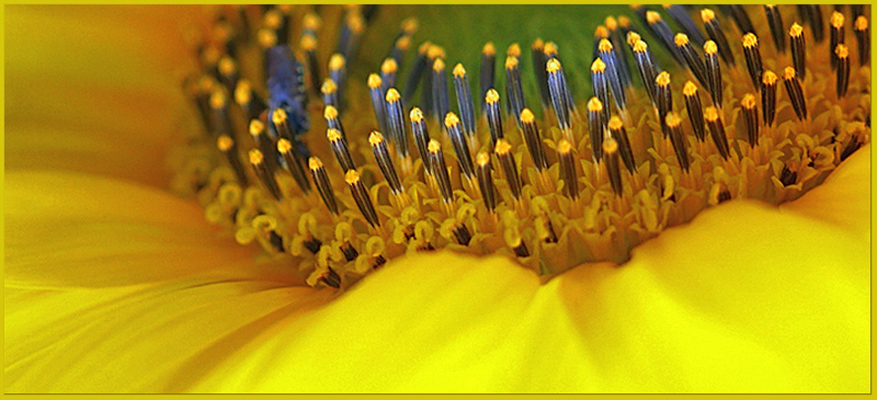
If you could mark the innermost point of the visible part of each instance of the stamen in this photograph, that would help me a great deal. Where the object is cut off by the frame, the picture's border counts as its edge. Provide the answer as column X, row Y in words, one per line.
column 513, row 239
column 461, row 147
column 494, row 117
column 795, row 92
column 769, row 97
column 503, row 152
column 252, row 104
column 400, row 47
column 843, row 69
column 396, row 123
column 331, row 278
column 324, row 186
column 695, row 110
column 665, row 36
column 680, row 15
column 595, row 127
column 228, row 72
column 740, row 17
column 514, row 50
column 421, row 137
column 836, row 36
column 267, row 38
column 863, row 39
column 753, row 59
column 558, row 90
column 695, row 64
column 440, row 88
column 514, row 87
column 619, row 134
column 610, row 159
column 799, row 49
column 340, row 149
column 440, row 171
column 715, row 32
column 601, row 87
column 485, row 181
column 664, row 98
column 330, row 93
column 607, row 55
column 488, row 69
column 265, row 175
column 362, row 198
column 264, row 143
column 420, row 64
column 750, row 116
column 616, row 36
column 294, row 164
column 464, row 100
column 427, row 97
column 388, row 74
column 777, row 29
column 376, row 91
column 229, row 148
column 567, row 169
column 816, row 22
column 717, row 131
column 677, row 138
column 533, row 139
column 648, row 71
column 280, row 119
column 332, row 121
column 221, row 120
column 713, row 72
column 309, row 46
column 338, row 75
column 382, row 157
column 537, row 51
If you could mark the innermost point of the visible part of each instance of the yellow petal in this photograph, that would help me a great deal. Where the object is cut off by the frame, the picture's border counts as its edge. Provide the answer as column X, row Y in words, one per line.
column 144, row 338
column 66, row 229
column 746, row 298
column 94, row 89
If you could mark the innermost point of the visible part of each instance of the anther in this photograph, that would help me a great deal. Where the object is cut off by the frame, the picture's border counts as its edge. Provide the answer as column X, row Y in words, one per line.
column 252, row 104
column 376, row 91
column 662, row 31
column 514, row 87
column 294, row 164
column 795, row 92
column 362, row 198
column 863, row 39
column 664, row 99
column 281, row 125
column 330, row 93
column 740, row 17
column 567, row 169
column 717, row 131
column 485, row 181
column 331, row 278
column 799, row 49
column 533, row 139
column 558, row 89
column 695, row 64
column 677, row 138
column 600, row 85
column 616, row 36
column 750, row 116
column 464, row 100
column 228, row 71
column 713, row 72
column 400, row 48
column 228, row 148
column 619, row 134
column 503, row 151
column 695, row 110
column 461, row 147
column 488, row 69
column 836, row 36
column 324, row 186
column 396, row 123
column 753, row 59
column 382, row 157
column 715, row 32
column 414, row 77
column 517, row 244
column 769, row 96
column 388, row 73
column 680, row 15
column 330, row 113
column 264, row 174
column 421, row 137
column 648, row 71
column 264, row 143
column 609, row 58
column 777, row 29
column 537, row 52
column 220, row 118
column 595, row 127
column 308, row 44
column 494, row 115
column 338, row 74
column 439, row 88
column 843, row 69
column 340, row 149
column 440, row 171
column 267, row 38
column 610, row 160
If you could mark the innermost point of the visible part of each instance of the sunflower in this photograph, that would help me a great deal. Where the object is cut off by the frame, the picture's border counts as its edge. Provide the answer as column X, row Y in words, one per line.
column 695, row 223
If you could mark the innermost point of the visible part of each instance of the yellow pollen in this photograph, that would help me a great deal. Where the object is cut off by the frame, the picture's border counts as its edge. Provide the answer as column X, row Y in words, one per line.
column 279, row 116
column 690, row 89
column 681, row 39
column 550, row 48
column 663, row 79
column 459, row 71
column 623, row 21
column 392, row 95
column 438, row 65
column 404, row 43
column 314, row 163
column 351, row 177
column 605, row 46
column 601, row 32
column 336, row 62
column 374, row 81
column 356, row 23
column 489, row 49
column 328, row 87
column 796, row 30
column 710, row 47
column 615, row 123
column 284, row 146
column 610, row 23
column 527, row 116
column 610, row 145
column 711, row 114
column 217, row 99
column 273, row 19
column 311, row 22
column 308, row 43
column 389, row 66
column 673, row 120
column 653, row 17
column 503, row 147
column 633, row 38
column 492, row 96
column 707, row 15
column 789, row 73
column 267, row 37
column 330, row 112
column 553, row 65
column 514, row 50
column 837, row 20
column 435, row 52
column 224, row 143
column 842, row 51
column 598, row 66
column 451, row 120
column 640, row 46
column 256, row 157
column 333, row 135
column 538, row 44
column 595, row 105
column 769, row 78
column 416, row 115
column 564, row 147
column 482, row 158
column 424, row 48
column 750, row 40
column 748, row 101
column 375, row 138
column 226, row 66
column 861, row 23
column 410, row 25
column 433, row 146
column 256, row 127
column 511, row 62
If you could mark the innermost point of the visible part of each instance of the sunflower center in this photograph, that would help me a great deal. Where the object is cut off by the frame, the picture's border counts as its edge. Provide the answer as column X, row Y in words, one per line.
column 549, row 180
